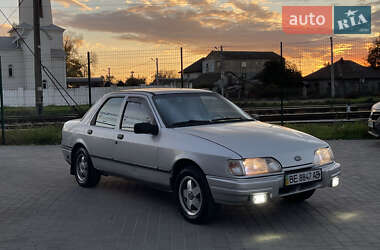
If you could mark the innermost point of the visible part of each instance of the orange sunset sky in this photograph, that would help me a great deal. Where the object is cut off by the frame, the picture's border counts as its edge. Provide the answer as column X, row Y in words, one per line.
column 127, row 34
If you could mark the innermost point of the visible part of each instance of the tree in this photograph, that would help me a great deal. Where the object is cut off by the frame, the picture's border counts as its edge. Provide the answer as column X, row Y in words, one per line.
column 132, row 81
column 274, row 73
column 164, row 74
column 74, row 62
column 110, row 78
column 374, row 54
column 93, row 62
column 120, row 83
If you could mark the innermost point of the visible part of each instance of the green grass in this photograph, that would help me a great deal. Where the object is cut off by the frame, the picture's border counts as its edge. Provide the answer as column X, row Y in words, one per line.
column 48, row 110
column 335, row 131
column 49, row 135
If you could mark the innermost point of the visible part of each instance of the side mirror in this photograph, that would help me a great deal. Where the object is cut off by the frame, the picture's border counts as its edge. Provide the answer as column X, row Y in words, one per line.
column 146, row 128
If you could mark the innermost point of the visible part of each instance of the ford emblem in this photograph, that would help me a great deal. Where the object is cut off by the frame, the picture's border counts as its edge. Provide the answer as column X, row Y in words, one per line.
column 297, row 158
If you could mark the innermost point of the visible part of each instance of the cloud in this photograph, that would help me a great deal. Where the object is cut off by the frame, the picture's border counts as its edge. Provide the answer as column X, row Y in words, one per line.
column 194, row 22
column 77, row 3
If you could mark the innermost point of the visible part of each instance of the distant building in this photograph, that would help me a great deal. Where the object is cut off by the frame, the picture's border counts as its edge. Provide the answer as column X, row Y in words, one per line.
column 193, row 71
column 18, row 61
column 76, row 82
column 227, row 67
column 351, row 79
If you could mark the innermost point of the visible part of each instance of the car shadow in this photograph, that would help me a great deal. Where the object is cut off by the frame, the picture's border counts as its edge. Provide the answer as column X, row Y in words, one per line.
column 274, row 214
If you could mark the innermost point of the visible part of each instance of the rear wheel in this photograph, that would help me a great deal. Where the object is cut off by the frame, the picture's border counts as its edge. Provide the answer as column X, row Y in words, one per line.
column 85, row 174
column 300, row 196
column 193, row 196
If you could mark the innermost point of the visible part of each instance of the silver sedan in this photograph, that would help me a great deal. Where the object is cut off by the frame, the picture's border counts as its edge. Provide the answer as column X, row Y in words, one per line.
column 199, row 145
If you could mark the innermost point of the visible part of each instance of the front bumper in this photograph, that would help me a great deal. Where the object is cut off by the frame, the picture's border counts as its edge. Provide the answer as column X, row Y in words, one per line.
column 374, row 127
column 239, row 191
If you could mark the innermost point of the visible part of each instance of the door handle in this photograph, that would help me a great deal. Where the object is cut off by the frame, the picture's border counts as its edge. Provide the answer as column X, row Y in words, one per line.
column 120, row 136
column 89, row 131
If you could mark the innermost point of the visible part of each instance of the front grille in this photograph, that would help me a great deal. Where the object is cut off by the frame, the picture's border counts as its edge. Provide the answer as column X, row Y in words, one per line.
column 298, row 187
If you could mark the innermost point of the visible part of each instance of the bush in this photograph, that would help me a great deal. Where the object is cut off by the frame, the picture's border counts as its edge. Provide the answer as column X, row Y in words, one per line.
column 49, row 135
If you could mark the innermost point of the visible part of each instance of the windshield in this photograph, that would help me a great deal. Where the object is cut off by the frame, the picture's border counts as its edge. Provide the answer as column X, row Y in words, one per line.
column 180, row 110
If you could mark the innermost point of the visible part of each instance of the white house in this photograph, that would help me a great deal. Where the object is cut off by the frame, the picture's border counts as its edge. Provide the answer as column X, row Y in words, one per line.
column 18, row 62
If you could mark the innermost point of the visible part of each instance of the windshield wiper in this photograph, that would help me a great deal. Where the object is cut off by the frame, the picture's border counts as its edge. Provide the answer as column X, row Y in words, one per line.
column 227, row 119
column 190, row 123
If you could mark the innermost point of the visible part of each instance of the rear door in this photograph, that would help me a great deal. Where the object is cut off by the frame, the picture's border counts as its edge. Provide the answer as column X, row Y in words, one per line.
column 101, row 133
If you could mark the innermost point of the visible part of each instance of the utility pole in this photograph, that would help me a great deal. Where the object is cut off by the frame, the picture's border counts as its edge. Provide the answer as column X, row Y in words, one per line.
column 37, row 56
column 181, row 67
column 282, row 87
column 157, row 71
column 332, row 68
column 109, row 74
column 89, row 78
column 2, row 107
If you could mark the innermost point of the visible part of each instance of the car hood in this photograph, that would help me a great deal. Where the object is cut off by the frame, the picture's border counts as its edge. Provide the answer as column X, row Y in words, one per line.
column 258, row 139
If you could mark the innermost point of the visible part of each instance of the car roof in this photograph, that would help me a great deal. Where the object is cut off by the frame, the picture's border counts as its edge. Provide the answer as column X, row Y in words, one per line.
column 162, row 91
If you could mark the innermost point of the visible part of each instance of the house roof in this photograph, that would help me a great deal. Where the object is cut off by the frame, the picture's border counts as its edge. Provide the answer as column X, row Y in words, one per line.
column 344, row 69
column 21, row 26
column 7, row 43
column 195, row 67
column 52, row 27
column 27, row 26
column 206, row 80
column 244, row 55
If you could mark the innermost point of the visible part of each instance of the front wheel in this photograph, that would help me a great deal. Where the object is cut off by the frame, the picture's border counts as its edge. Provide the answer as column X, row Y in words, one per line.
column 300, row 196
column 85, row 174
column 194, row 197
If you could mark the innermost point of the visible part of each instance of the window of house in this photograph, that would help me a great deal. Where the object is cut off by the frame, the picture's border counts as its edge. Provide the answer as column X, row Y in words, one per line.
column 109, row 113
column 136, row 111
column 207, row 68
column 218, row 65
column 10, row 70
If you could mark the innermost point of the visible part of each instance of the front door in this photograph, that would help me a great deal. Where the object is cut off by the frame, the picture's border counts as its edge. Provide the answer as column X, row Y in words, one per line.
column 136, row 153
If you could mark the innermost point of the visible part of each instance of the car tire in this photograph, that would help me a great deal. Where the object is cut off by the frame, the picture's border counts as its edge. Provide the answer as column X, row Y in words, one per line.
column 300, row 196
column 193, row 195
column 85, row 173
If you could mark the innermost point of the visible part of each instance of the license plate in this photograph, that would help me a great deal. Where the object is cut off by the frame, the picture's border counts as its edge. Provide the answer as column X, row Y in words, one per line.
column 370, row 124
column 293, row 179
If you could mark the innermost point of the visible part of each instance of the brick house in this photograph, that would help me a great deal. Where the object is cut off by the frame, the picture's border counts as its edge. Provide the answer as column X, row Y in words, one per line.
column 227, row 67
column 351, row 79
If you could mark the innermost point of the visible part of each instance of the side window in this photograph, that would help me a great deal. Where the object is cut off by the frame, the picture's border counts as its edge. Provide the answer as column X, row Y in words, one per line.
column 136, row 111
column 109, row 113
column 10, row 70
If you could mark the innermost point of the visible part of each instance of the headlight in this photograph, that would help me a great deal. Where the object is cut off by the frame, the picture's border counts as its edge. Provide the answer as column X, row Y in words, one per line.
column 254, row 166
column 323, row 156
